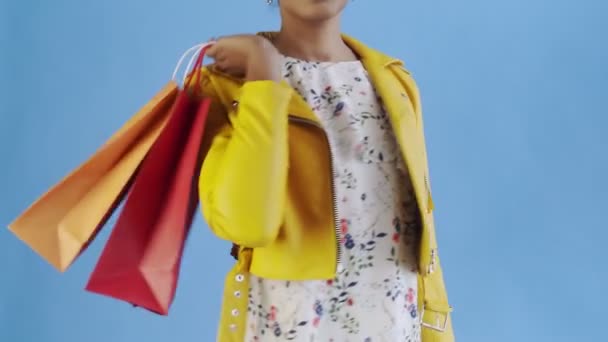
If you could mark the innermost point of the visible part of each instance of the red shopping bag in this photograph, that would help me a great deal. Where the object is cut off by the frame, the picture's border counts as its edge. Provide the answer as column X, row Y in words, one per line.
column 140, row 263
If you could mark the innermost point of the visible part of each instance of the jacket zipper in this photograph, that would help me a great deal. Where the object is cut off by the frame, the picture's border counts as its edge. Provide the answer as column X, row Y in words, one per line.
column 333, row 188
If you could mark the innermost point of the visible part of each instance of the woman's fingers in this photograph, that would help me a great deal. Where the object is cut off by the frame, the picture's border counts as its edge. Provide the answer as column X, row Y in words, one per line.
column 231, row 53
column 213, row 51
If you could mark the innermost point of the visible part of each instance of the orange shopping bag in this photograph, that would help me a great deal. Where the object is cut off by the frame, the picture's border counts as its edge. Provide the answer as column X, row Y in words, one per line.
column 61, row 223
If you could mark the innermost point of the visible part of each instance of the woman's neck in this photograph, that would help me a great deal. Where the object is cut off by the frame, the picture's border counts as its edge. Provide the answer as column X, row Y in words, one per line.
column 313, row 41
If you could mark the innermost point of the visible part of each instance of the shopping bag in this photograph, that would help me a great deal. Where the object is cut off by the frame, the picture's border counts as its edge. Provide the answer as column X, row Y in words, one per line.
column 140, row 263
column 61, row 223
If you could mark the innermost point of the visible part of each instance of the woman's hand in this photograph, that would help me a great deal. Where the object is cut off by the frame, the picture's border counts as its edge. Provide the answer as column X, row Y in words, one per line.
column 250, row 56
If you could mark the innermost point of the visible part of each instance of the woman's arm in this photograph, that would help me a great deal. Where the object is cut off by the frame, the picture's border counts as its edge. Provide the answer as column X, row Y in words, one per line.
column 243, row 179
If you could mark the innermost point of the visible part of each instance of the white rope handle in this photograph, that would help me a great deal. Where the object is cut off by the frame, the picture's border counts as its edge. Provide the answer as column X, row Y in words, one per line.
column 192, row 59
column 181, row 60
column 197, row 50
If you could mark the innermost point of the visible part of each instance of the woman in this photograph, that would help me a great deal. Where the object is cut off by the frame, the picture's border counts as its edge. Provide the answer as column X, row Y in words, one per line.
column 317, row 171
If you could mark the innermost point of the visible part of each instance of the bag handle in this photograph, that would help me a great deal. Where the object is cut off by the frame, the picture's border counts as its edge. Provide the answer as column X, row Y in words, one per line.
column 199, row 51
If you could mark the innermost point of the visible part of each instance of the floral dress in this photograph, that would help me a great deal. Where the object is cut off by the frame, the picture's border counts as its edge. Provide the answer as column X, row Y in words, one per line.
column 374, row 296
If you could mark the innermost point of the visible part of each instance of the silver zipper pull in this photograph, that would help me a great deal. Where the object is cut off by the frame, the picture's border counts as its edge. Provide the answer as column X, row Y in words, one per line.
column 431, row 267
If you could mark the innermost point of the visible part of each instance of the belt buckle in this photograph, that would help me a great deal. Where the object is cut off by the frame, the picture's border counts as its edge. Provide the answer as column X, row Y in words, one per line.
column 438, row 326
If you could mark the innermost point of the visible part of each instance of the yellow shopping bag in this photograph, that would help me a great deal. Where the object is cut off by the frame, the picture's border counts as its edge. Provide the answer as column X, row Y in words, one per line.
column 61, row 223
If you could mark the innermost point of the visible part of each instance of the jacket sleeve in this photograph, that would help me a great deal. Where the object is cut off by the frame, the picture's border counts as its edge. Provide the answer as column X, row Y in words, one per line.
column 244, row 175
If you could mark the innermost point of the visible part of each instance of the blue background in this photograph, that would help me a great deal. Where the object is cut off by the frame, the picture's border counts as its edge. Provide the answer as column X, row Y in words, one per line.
column 514, row 95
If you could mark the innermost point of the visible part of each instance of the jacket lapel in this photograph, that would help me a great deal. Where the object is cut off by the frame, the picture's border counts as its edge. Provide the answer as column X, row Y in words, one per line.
column 388, row 87
column 401, row 113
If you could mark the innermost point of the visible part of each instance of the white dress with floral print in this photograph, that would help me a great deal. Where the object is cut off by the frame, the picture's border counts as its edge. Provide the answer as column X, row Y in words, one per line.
column 374, row 298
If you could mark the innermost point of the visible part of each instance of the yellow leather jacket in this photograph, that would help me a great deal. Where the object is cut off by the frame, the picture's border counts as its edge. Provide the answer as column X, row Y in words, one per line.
column 266, row 185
